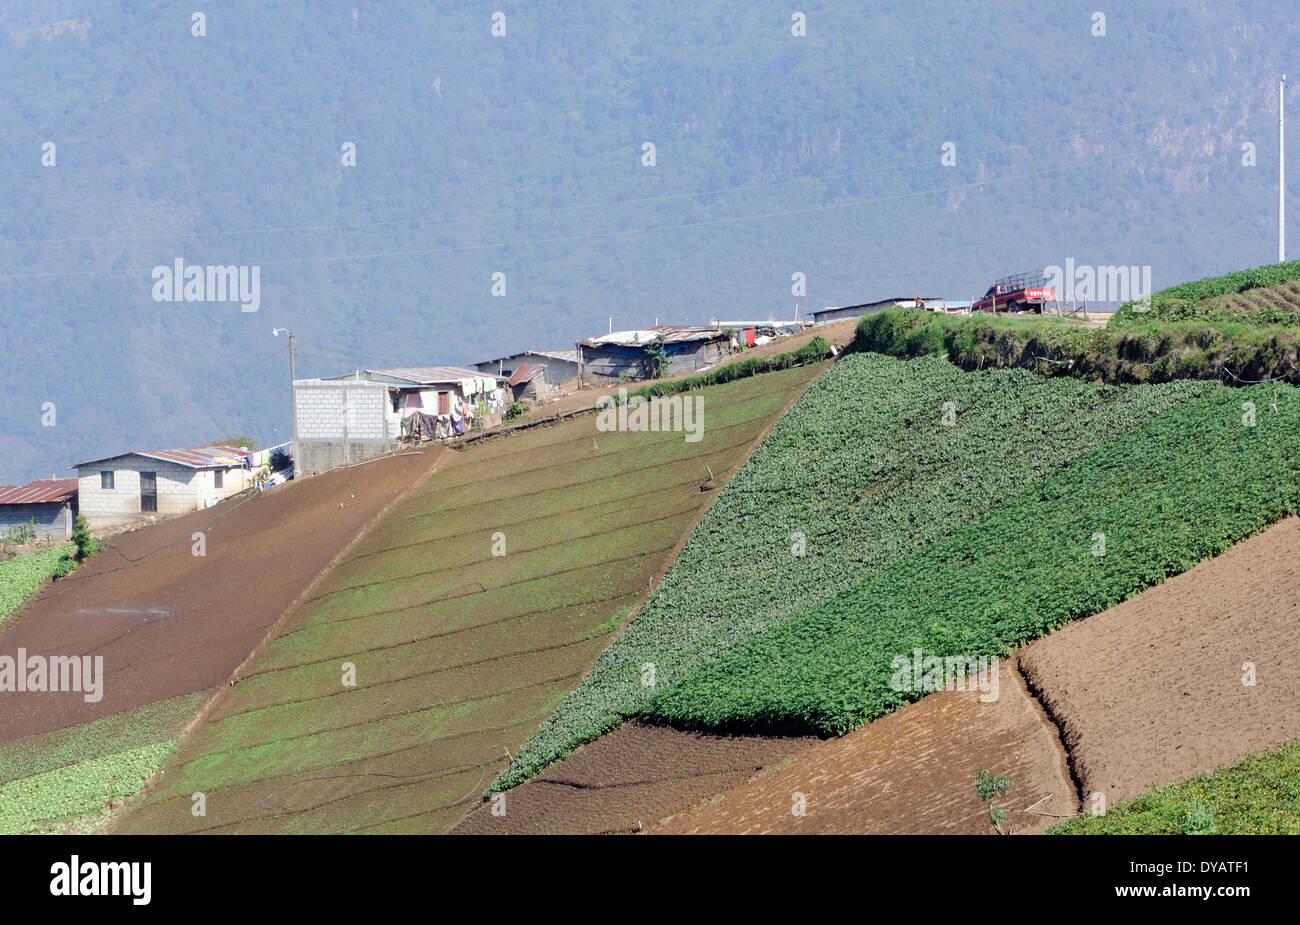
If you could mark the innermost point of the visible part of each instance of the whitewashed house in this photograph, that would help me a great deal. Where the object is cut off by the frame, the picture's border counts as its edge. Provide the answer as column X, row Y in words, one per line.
column 119, row 489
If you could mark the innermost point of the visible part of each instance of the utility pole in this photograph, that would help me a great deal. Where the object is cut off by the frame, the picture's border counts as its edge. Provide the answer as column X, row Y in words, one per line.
column 1281, row 171
column 293, row 402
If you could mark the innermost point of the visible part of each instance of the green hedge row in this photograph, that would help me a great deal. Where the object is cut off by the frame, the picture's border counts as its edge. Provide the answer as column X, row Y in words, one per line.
column 1233, row 354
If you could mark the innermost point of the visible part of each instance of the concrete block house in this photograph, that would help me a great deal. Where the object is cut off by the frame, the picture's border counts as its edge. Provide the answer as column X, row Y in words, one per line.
column 117, row 490
column 346, row 419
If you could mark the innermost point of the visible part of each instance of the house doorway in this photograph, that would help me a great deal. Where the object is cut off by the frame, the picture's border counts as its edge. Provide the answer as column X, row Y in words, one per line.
column 148, row 492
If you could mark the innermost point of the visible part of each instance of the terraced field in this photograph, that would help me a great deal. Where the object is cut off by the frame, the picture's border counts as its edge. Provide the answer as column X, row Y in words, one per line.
column 458, row 650
column 878, row 459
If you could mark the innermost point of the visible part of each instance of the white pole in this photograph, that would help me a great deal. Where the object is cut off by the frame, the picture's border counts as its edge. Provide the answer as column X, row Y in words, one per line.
column 1281, row 172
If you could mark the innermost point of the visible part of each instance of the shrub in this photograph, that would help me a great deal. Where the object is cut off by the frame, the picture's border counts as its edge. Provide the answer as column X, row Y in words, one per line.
column 86, row 544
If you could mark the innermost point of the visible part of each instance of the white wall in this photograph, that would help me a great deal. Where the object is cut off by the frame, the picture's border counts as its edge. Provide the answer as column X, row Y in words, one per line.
column 180, row 488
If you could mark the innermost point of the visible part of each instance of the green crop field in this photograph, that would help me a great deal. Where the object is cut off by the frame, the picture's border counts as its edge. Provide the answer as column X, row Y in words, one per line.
column 1267, row 295
column 1147, row 504
column 879, row 458
column 458, row 652
column 1257, row 796
column 68, row 772
column 22, row 576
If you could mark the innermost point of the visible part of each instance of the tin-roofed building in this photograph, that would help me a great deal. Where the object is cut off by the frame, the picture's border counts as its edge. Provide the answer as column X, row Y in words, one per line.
column 119, row 489
column 629, row 354
column 50, row 504
column 559, row 372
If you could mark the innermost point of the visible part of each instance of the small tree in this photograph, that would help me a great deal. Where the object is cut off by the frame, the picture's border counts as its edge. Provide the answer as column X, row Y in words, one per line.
column 988, row 786
column 280, row 460
column 657, row 357
column 86, row 544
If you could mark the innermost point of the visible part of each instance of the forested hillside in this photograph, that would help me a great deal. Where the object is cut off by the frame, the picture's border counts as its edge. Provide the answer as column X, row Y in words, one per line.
column 521, row 154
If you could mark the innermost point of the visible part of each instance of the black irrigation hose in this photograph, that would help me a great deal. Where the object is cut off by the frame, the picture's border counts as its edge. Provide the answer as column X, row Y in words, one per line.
column 453, row 767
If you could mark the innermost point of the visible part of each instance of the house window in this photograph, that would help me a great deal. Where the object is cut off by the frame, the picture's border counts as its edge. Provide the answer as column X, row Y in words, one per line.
column 106, row 480
column 218, row 478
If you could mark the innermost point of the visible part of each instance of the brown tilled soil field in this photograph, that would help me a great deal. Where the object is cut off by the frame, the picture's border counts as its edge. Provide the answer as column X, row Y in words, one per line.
column 910, row 772
column 168, row 622
column 628, row 780
column 1151, row 691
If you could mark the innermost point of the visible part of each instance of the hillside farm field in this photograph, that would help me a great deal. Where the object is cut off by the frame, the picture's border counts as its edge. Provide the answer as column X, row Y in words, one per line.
column 1145, row 505
column 457, row 653
column 22, row 576
column 1148, row 693
column 170, row 627
column 879, row 458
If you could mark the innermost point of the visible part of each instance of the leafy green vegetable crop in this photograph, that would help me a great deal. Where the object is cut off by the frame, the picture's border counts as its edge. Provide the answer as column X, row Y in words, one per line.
column 22, row 576
column 26, row 804
column 877, row 459
column 1201, row 299
column 1154, row 501
column 1257, row 796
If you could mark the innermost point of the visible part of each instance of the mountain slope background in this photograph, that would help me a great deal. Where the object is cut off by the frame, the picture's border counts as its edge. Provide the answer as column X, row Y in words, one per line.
column 521, row 154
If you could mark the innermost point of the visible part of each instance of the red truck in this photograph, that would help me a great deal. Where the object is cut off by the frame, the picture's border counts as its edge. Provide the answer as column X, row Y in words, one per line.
column 1019, row 293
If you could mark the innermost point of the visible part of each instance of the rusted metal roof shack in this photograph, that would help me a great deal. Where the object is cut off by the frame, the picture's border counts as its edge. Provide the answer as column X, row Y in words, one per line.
column 632, row 354
column 51, row 504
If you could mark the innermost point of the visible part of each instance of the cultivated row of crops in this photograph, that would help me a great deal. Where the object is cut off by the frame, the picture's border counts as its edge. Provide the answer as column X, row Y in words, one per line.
column 878, row 459
column 22, row 576
column 1257, row 796
column 1148, row 504
column 1203, row 299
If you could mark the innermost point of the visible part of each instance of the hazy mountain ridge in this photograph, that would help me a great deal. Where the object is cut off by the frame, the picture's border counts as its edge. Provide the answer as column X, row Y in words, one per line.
column 162, row 133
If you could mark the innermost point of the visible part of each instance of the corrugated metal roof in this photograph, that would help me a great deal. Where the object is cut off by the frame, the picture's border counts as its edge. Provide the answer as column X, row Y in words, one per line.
column 672, row 334
column 201, row 457
column 421, row 375
column 568, row 356
column 903, row 300
column 41, row 491
column 525, row 374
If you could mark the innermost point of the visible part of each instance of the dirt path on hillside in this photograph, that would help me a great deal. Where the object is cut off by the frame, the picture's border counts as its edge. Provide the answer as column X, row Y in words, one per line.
column 1151, row 691
column 168, row 622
